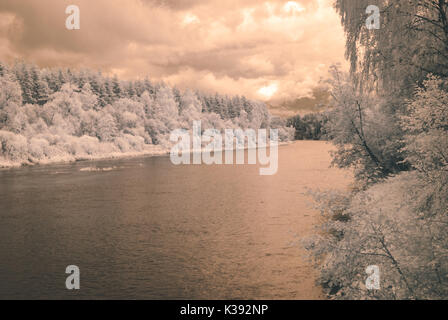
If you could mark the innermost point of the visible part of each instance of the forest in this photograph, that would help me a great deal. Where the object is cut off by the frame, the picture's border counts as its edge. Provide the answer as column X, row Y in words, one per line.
column 310, row 126
column 53, row 115
column 389, row 124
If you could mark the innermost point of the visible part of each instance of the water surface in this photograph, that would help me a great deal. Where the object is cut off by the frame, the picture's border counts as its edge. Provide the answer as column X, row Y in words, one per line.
column 143, row 228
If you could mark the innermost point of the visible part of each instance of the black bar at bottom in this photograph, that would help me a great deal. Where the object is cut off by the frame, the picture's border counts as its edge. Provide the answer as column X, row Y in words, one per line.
column 251, row 309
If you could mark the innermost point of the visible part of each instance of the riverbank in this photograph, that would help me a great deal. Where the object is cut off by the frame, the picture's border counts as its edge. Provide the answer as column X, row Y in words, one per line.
column 150, row 151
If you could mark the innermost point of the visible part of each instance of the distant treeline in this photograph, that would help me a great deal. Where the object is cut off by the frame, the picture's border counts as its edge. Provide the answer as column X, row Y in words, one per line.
column 37, row 85
column 309, row 127
column 63, row 115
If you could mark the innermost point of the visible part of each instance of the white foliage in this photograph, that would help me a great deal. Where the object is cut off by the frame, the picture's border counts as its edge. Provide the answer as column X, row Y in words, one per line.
column 86, row 115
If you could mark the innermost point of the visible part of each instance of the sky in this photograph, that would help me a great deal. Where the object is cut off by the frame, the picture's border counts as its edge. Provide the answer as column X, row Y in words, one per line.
column 272, row 50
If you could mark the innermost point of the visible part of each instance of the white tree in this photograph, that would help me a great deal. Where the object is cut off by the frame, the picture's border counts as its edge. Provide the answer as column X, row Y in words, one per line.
column 426, row 127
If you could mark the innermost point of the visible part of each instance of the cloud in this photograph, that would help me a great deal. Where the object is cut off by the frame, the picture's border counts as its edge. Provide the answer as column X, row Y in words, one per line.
column 234, row 47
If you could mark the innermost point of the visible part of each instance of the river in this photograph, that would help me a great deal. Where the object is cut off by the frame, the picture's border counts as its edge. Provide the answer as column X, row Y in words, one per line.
column 143, row 228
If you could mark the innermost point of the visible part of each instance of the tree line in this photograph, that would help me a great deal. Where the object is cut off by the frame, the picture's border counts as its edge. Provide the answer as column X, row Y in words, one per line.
column 310, row 126
column 59, row 114
column 389, row 124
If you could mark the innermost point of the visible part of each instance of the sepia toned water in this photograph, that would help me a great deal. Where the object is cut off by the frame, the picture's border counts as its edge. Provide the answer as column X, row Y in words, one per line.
column 143, row 228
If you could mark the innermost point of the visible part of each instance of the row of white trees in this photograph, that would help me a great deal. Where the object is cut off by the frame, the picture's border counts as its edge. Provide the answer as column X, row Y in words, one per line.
column 58, row 115
column 389, row 124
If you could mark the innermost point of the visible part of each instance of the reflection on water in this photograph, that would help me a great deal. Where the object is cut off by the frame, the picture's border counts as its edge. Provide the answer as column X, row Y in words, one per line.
column 144, row 228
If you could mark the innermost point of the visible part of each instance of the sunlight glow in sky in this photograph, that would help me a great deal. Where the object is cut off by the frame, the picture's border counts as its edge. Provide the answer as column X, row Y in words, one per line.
column 293, row 7
column 268, row 91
